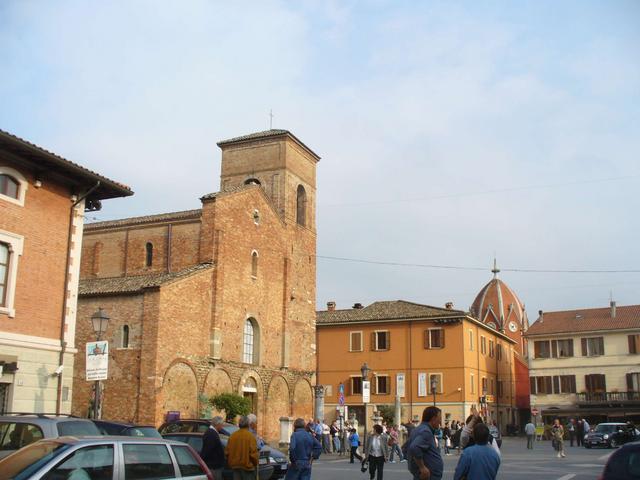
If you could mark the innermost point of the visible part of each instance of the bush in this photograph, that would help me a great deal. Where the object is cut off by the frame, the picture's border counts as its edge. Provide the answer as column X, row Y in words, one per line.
column 232, row 404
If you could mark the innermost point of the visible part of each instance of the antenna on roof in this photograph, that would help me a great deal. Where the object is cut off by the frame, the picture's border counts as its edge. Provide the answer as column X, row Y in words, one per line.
column 495, row 270
column 270, row 119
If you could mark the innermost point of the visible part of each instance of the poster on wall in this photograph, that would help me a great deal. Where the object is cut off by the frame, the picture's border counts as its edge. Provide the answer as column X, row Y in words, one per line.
column 400, row 384
column 97, row 360
column 422, row 384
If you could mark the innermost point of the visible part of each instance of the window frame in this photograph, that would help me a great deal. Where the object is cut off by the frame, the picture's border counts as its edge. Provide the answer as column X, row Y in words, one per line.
column 351, row 384
column 387, row 384
column 537, row 351
column 255, row 258
column 351, row 340
column 15, row 244
column 470, row 340
column 586, row 350
column 254, row 355
column 387, row 342
column 634, row 343
column 492, row 348
column 429, row 345
column 125, row 331
column 473, row 383
column 22, row 185
column 301, row 205
column 483, row 345
column 440, row 389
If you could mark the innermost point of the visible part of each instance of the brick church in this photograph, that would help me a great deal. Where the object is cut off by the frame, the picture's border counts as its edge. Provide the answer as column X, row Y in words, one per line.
column 218, row 299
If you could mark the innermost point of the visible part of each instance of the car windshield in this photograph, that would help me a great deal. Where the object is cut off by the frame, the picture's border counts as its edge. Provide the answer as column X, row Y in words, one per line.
column 143, row 432
column 607, row 428
column 27, row 460
column 77, row 428
column 229, row 429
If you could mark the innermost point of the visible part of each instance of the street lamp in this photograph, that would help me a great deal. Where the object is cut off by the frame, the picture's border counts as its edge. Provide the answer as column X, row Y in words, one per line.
column 484, row 402
column 434, row 387
column 99, row 321
column 365, row 376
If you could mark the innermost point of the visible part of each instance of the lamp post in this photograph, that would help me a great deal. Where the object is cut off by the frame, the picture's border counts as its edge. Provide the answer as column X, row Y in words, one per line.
column 434, row 387
column 365, row 376
column 99, row 321
column 484, row 402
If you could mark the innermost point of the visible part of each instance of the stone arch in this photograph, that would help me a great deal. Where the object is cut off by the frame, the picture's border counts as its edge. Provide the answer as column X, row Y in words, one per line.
column 180, row 390
column 250, row 385
column 302, row 403
column 278, row 404
column 216, row 382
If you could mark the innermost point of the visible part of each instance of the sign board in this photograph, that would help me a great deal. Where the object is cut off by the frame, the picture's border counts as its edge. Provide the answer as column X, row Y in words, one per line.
column 422, row 384
column 534, row 411
column 97, row 360
column 489, row 399
column 341, row 394
column 400, row 384
column 366, row 391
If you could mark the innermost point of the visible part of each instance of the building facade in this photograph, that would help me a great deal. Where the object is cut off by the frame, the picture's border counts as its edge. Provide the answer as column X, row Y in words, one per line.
column 407, row 345
column 42, row 202
column 586, row 363
column 218, row 299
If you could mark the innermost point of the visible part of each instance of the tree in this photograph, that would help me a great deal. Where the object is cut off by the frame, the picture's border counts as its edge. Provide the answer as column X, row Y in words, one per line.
column 232, row 404
column 387, row 412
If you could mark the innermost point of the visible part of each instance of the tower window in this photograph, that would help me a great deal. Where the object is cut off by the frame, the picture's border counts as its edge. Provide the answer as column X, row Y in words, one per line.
column 251, row 342
column 5, row 255
column 256, row 217
column 125, row 336
column 254, row 264
column 301, row 206
column 149, row 256
column 252, row 181
column 9, row 186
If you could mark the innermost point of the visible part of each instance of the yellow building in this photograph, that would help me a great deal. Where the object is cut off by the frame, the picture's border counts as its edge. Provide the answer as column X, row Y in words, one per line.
column 586, row 363
column 408, row 346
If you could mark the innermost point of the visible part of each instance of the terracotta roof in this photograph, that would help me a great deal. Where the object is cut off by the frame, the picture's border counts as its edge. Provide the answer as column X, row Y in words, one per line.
column 116, row 285
column 49, row 161
column 388, row 310
column 266, row 134
column 229, row 190
column 162, row 217
column 587, row 319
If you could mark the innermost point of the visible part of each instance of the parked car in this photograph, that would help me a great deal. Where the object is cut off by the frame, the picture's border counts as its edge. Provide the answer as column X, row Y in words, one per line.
column 194, row 439
column 623, row 464
column 19, row 430
column 104, row 458
column 186, row 425
column 107, row 427
column 609, row 435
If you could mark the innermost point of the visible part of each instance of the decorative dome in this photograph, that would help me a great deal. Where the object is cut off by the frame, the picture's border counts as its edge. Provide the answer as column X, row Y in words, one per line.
column 499, row 307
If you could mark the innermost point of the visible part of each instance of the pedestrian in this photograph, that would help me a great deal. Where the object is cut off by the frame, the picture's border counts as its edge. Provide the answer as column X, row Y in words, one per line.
column 253, row 428
column 425, row 461
column 376, row 452
column 530, row 430
column 354, row 442
column 587, row 427
column 212, row 452
column 317, row 428
column 571, row 428
column 579, row 433
column 346, row 432
column 303, row 449
column 326, row 437
column 479, row 461
column 394, row 444
column 334, row 431
column 466, row 438
column 446, row 438
column 557, row 433
column 439, row 436
column 242, row 452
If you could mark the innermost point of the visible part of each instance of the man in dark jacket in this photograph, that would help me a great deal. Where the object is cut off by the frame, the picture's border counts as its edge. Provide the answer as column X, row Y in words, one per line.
column 212, row 450
column 424, row 460
column 303, row 449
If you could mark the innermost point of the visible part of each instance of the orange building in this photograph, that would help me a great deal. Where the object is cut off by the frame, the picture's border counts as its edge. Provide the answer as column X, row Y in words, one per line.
column 407, row 346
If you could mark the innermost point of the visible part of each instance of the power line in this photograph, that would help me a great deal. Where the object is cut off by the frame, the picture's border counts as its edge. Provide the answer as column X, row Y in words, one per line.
column 459, row 267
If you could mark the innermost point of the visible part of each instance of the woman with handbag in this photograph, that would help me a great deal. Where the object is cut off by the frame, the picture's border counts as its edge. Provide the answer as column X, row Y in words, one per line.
column 376, row 452
column 354, row 442
column 557, row 433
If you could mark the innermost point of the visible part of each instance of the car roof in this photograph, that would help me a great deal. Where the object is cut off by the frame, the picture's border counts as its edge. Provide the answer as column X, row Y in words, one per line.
column 42, row 417
column 122, row 424
column 89, row 439
column 612, row 423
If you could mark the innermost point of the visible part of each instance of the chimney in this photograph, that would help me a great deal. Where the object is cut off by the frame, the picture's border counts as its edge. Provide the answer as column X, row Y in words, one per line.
column 331, row 306
column 357, row 306
column 613, row 309
column 448, row 305
column 541, row 314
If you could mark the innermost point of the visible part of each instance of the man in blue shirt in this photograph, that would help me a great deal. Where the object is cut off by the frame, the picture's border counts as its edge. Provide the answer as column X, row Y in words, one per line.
column 480, row 461
column 424, row 459
column 303, row 449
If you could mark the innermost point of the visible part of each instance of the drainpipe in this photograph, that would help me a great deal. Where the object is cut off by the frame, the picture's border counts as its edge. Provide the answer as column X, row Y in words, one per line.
column 63, row 343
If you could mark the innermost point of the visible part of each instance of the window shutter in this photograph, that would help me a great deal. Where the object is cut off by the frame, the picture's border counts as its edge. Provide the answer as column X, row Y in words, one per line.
column 388, row 340
column 536, row 349
column 629, row 382
column 573, row 383
column 632, row 345
column 442, row 338
column 587, row 382
column 583, row 342
column 556, row 384
column 426, row 339
column 601, row 345
column 547, row 385
column 602, row 383
column 374, row 346
column 571, row 347
column 554, row 349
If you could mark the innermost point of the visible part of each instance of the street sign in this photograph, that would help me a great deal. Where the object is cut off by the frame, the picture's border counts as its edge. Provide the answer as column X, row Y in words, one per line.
column 400, row 384
column 97, row 360
column 366, row 391
column 489, row 399
column 534, row 412
column 341, row 394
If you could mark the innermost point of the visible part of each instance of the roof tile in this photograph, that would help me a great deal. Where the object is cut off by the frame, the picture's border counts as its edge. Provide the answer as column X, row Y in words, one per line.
column 588, row 319
column 385, row 310
column 162, row 217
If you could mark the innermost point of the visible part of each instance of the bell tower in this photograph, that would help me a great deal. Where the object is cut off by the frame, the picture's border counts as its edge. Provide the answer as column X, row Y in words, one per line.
column 281, row 164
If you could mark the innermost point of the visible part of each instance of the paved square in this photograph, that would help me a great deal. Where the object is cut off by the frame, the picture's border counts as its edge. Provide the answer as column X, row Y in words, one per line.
column 518, row 463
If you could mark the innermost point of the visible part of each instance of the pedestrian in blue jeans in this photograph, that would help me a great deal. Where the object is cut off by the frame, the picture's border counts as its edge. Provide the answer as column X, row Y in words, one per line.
column 303, row 449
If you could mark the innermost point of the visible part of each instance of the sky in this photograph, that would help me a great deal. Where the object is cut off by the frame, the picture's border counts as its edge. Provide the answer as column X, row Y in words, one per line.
column 450, row 132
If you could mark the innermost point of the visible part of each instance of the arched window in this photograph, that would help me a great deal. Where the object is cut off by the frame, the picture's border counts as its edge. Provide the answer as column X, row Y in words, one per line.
column 125, row 336
column 251, row 341
column 254, row 264
column 252, row 181
column 149, row 256
column 9, row 186
column 5, row 253
column 301, row 206
column 97, row 253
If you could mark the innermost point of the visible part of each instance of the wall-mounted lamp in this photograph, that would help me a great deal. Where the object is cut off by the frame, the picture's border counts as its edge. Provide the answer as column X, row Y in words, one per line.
column 37, row 183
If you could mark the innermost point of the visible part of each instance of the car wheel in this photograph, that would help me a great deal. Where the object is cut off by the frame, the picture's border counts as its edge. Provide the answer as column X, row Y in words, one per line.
column 613, row 443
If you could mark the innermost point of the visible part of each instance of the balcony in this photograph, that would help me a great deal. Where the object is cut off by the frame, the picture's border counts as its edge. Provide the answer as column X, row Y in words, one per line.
column 608, row 398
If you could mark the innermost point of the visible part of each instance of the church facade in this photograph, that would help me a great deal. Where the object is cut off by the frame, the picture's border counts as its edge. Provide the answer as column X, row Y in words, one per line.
column 218, row 299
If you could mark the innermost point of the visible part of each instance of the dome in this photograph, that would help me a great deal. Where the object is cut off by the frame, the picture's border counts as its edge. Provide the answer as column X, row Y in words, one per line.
column 499, row 307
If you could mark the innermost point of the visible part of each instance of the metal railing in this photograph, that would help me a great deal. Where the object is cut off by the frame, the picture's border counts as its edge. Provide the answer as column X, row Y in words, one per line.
column 607, row 397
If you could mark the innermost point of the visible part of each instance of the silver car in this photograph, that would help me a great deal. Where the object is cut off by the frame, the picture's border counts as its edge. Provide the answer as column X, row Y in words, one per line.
column 104, row 458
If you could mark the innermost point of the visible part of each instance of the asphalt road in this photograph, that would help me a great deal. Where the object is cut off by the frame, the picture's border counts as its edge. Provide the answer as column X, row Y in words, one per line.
column 518, row 463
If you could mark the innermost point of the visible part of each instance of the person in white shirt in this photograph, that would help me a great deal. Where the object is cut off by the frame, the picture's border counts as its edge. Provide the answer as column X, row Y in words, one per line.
column 530, row 430
column 326, row 438
column 376, row 452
